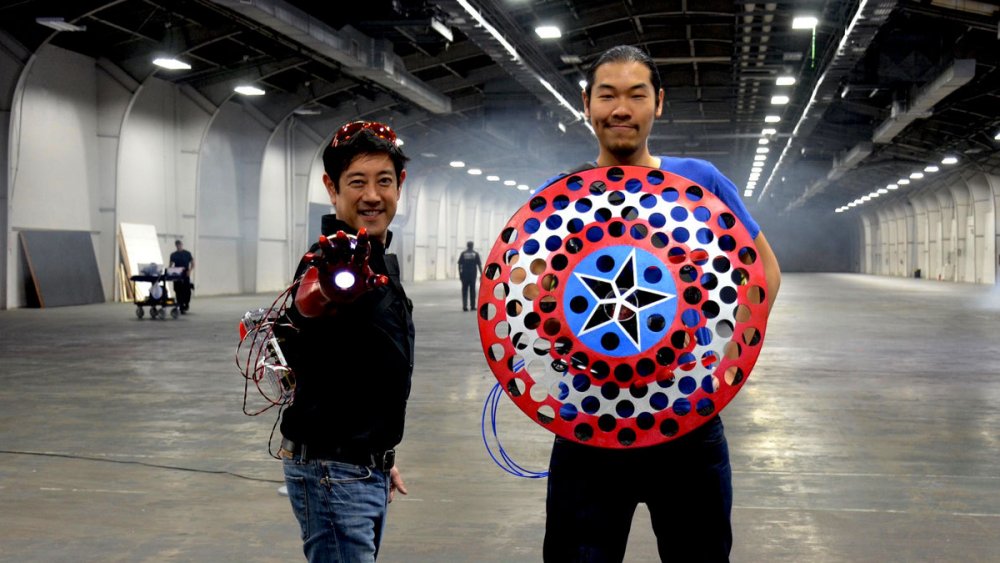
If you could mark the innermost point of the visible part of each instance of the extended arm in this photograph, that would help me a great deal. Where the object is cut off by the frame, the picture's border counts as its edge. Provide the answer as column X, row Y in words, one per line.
column 772, row 271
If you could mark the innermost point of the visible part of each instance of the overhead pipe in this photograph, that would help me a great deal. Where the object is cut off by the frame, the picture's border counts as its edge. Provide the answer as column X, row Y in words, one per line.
column 360, row 56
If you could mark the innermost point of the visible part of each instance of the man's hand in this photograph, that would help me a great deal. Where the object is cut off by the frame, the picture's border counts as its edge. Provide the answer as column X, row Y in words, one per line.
column 395, row 483
column 338, row 273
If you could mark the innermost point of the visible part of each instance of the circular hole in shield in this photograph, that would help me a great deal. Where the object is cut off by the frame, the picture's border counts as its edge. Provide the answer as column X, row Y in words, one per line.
column 755, row 294
column 518, row 275
column 748, row 255
column 488, row 311
column 559, row 262
column 537, row 266
column 502, row 329
column 607, row 422
column 514, row 308
column 546, row 414
column 574, row 183
column 550, row 282
column 548, row 303
column 530, row 291
column 615, row 174
column 724, row 328
column 516, row 387
column 508, row 235
column 669, row 427
column 734, row 375
column 751, row 336
column 501, row 291
column 496, row 352
column 492, row 271
column 598, row 187
column 626, row 436
column 511, row 256
column 537, row 204
column 551, row 326
column 583, row 432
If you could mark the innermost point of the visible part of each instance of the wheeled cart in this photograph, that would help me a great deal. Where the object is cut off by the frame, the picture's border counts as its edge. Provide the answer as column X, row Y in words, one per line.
column 157, row 298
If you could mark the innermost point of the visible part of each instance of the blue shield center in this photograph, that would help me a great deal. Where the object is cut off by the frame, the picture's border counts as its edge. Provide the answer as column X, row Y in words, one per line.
column 620, row 300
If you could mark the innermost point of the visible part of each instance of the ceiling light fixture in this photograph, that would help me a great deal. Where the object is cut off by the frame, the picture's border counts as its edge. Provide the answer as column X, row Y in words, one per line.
column 493, row 178
column 474, row 171
column 171, row 63
column 747, row 193
column 762, row 141
column 883, row 191
column 916, row 175
column 456, row 164
column 509, row 183
column 892, row 187
column 763, row 150
column 523, row 187
column 759, row 157
column 903, row 182
column 949, row 160
column 248, row 90
column 60, row 24
column 779, row 100
column 931, row 168
column 548, row 32
column 768, row 131
column 804, row 22
column 489, row 28
column 785, row 80
column 772, row 119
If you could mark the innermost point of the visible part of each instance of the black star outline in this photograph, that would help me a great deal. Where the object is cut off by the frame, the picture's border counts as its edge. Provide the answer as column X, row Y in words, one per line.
column 616, row 292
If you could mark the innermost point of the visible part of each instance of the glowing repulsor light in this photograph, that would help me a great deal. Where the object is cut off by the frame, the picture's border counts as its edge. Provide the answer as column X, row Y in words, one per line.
column 344, row 279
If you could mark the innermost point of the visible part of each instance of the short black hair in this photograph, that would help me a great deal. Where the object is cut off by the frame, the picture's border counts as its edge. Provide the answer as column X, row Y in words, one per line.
column 336, row 159
column 176, row 242
column 624, row 54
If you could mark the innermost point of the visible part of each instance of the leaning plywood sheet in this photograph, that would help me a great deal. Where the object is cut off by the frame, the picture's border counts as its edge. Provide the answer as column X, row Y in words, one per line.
column 139, row 244
column 63, row 267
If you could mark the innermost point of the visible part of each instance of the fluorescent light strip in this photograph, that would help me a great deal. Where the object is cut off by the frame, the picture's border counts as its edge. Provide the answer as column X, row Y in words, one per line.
column 489, row 28
column 812, row 98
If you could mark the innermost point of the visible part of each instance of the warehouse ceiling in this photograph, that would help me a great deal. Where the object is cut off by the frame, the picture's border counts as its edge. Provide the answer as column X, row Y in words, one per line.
column 882, row 88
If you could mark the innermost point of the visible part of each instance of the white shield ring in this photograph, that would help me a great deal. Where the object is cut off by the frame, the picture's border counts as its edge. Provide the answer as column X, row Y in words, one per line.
column 622, row 307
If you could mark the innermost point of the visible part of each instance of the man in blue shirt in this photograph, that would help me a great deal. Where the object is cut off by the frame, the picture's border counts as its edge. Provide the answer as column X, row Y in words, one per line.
column 685, row 483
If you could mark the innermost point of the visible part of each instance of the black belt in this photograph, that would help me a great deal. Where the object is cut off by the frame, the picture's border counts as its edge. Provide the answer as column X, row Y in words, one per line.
column 383, row 461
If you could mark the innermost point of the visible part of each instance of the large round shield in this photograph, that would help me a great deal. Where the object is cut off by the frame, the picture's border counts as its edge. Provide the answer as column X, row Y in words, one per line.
column 622, row 307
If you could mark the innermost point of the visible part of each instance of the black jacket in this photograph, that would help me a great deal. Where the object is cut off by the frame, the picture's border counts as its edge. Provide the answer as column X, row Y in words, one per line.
column 352, row 369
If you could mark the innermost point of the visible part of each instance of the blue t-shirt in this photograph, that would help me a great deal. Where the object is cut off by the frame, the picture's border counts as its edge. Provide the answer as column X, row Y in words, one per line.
column 704, row 174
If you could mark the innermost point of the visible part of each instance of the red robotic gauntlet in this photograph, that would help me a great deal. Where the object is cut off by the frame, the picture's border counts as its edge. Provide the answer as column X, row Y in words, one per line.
column 338, row 273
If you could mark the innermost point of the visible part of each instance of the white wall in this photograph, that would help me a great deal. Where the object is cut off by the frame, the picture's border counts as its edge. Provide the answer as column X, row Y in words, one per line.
column 952, row 233
column 53, row 154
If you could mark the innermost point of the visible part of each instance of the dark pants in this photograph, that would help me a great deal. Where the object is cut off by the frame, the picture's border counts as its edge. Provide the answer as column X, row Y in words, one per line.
column 686, row 485
column 468, row 292
column 182, row 289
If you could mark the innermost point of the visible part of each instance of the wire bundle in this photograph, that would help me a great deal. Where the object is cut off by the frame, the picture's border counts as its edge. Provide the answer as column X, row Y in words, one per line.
column 507, row 463
column 256, row 354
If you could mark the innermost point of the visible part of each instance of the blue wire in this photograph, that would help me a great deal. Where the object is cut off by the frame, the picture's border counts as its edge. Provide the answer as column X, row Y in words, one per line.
column 509, row 465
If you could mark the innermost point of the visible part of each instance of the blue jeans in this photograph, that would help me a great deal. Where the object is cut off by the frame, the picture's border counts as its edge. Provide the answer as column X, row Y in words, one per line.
column 686, row 484
column 340, row 507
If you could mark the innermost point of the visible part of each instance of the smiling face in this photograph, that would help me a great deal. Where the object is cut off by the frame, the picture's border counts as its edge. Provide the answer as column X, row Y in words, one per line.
column 368, row 193
column 622, row 107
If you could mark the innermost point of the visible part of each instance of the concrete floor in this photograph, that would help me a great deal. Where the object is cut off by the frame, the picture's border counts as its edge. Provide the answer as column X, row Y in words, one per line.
column 868, row 432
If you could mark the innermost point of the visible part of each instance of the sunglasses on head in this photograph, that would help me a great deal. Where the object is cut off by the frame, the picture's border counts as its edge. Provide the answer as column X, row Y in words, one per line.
column 380, row 130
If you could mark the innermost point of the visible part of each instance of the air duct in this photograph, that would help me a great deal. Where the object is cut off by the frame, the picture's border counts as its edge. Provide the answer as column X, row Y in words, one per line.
column 919, row 106
column 360, row 55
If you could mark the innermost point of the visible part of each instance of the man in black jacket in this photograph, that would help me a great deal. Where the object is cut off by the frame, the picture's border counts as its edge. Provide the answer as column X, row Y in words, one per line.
column 349, row 340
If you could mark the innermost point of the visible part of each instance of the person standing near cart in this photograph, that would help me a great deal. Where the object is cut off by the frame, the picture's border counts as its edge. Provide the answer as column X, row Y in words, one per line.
column 182, row 287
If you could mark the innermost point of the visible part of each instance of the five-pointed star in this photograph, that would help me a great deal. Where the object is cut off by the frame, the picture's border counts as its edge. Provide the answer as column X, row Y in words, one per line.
column 620, row 300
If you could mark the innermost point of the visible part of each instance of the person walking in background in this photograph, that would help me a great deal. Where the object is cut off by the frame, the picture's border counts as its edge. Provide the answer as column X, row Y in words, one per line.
column 469, row 268
column 182, row 288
